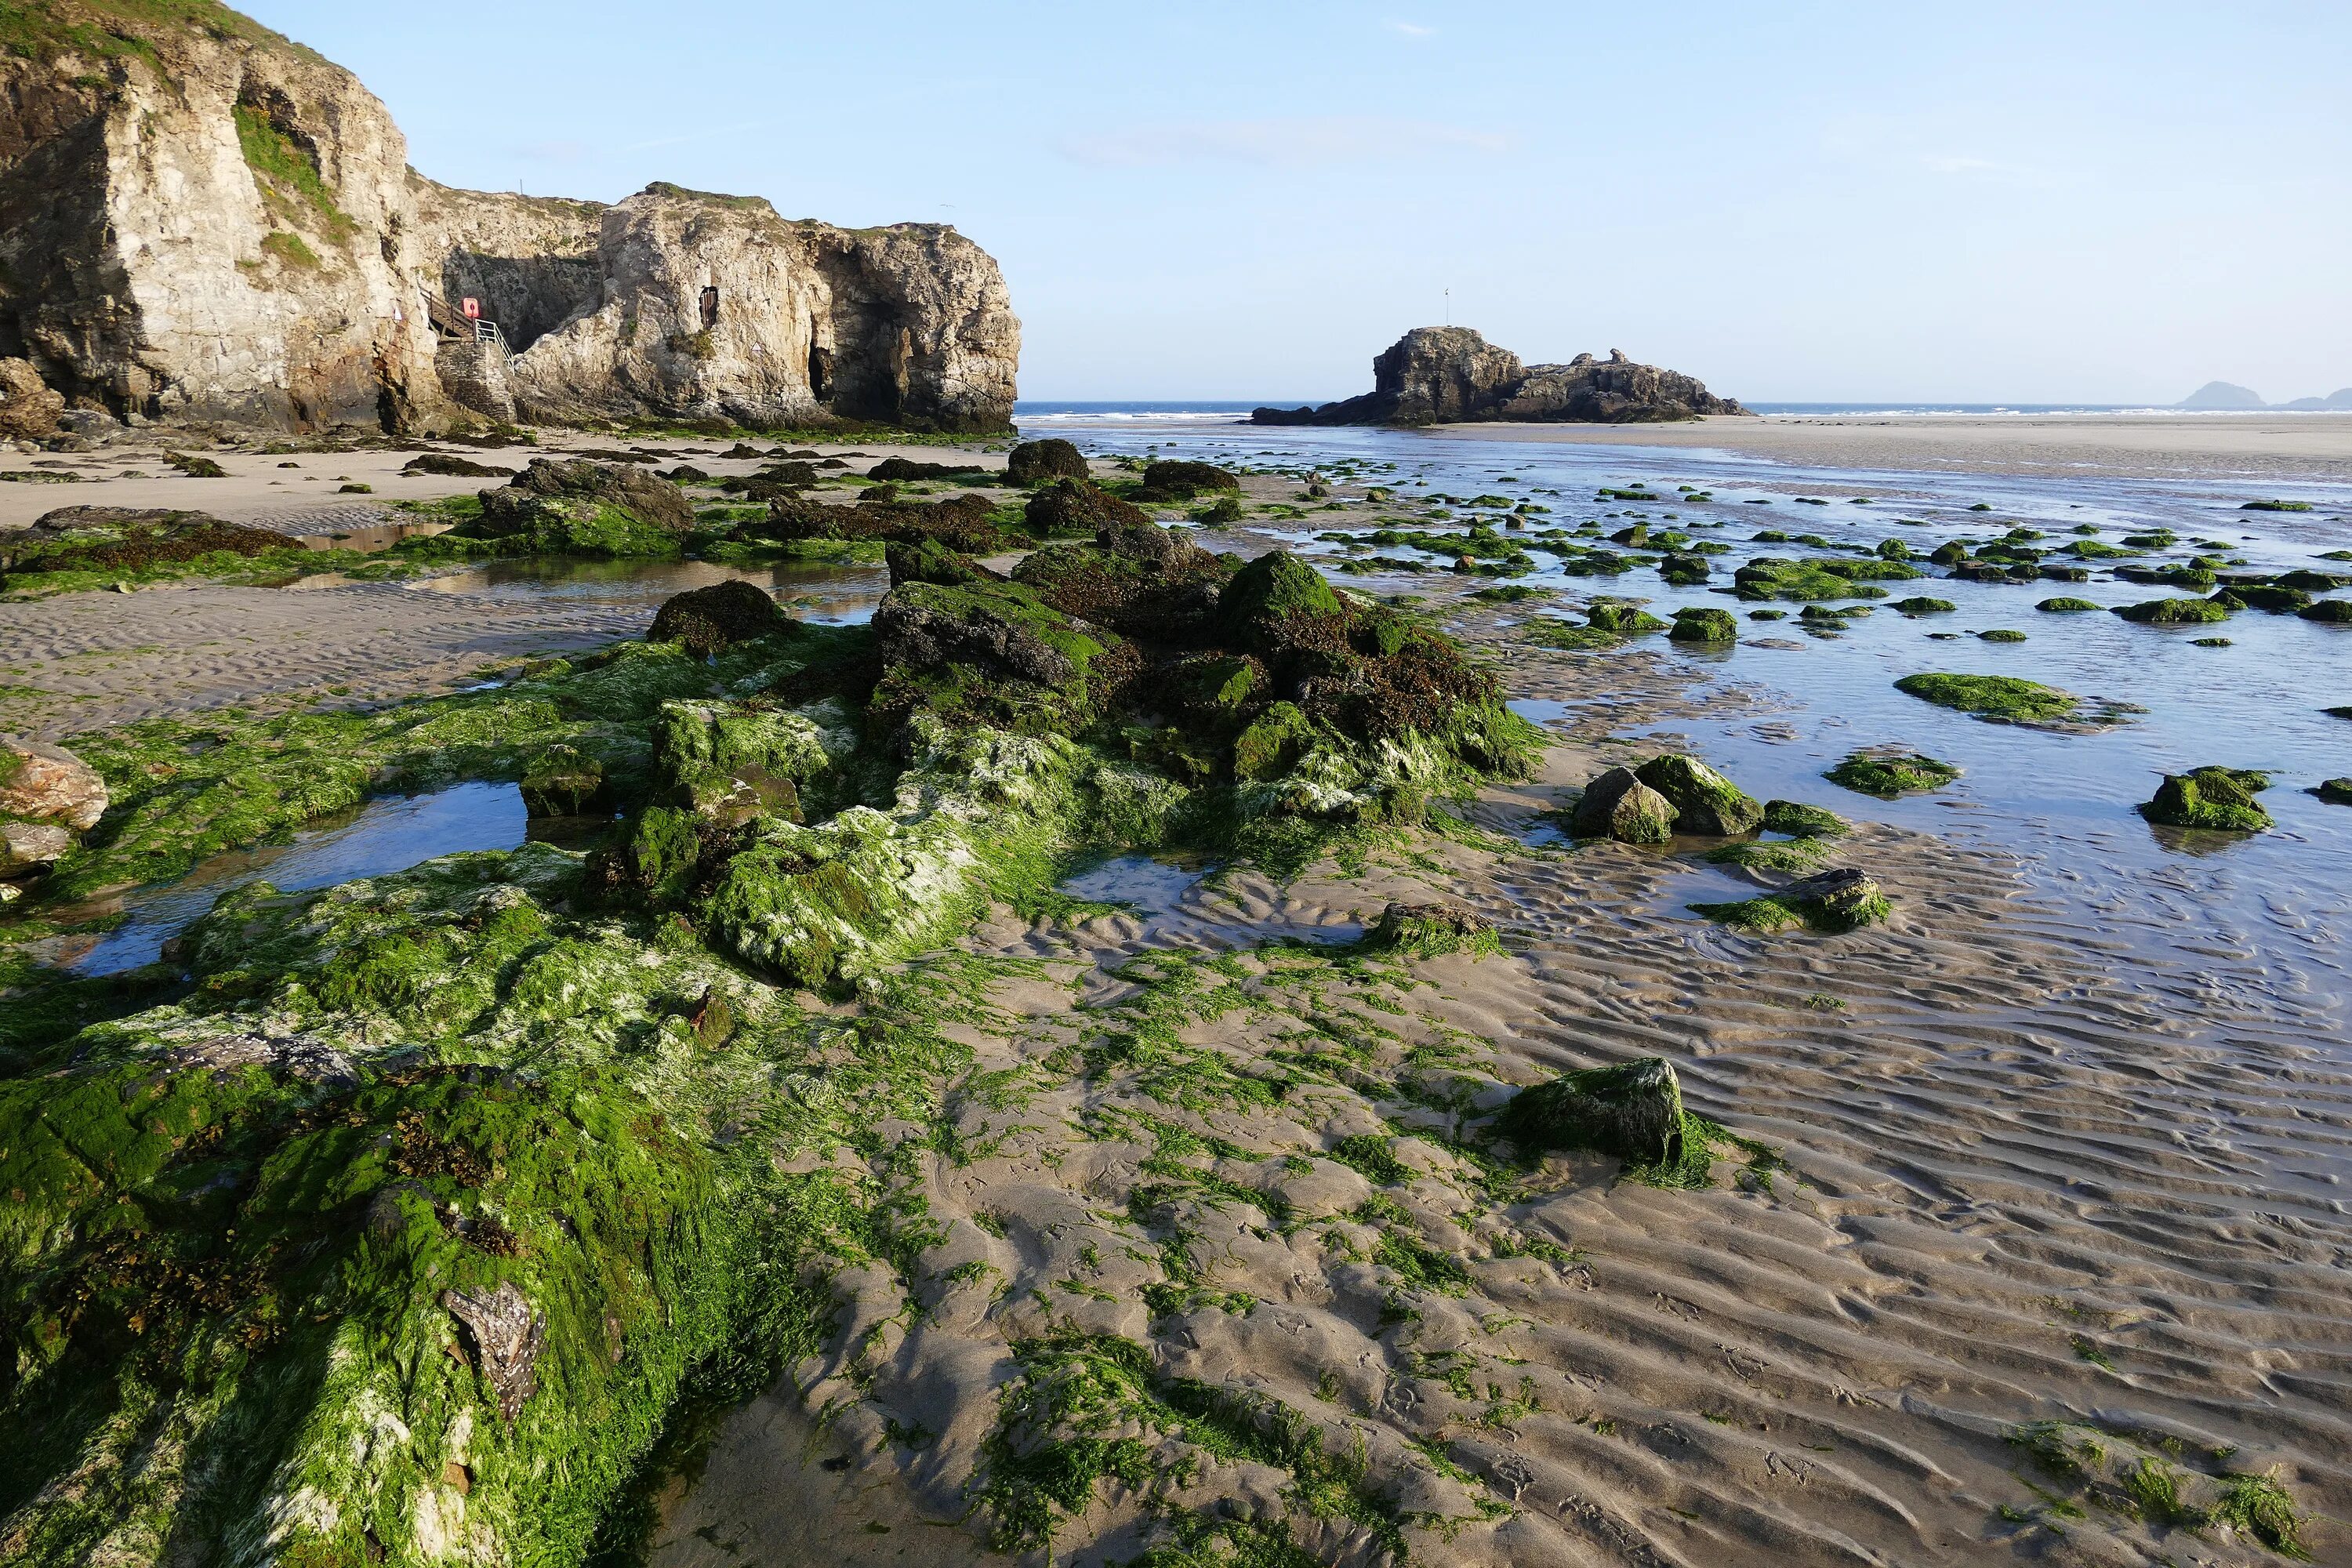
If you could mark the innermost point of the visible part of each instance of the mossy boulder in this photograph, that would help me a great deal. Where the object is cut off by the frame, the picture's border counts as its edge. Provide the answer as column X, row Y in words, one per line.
column 1077, row 508
column 909, row 470
column 928, row 561
column 1430, row 930
column 2219, row 798
column 1037, row 462
column 2174, row 612
column 128, row 542
column 1634, row 1110
column 1772, row 577
column 711, row 620
column 2004, row 699
column 1704, row 801
column 730, row 763
column 2334, row 792
column 1838, row 901
column 2328, row 612
column 562, row 781
column 1618, row 618
column 1802, row 821
column 1704, row 625
column 1888, row 774
column 1918, row 605
column 1276, row 587
column 1174, row 480
column 1619, row 805
column 2064, row 606
column 989, row 653
column 1274, row 744
column 582, row 507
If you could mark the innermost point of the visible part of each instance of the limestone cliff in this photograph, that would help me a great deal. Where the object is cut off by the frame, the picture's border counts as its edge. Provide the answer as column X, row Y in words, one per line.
column 1438, row 375
column 680, row 304
column 200, row 219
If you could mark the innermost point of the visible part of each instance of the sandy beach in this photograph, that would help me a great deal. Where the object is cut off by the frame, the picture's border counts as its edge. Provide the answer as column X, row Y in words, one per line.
column 2256, row 447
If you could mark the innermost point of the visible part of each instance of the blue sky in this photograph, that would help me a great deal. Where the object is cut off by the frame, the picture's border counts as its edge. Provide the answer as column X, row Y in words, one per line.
column 2030, row 201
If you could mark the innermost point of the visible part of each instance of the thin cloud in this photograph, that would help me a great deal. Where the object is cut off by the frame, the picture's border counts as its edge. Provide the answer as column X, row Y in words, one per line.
column 1335, row 139
column 1989, row 171
column 1410, row 30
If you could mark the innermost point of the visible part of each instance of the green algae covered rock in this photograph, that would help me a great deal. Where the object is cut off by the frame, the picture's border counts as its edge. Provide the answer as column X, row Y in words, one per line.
column 1888, row 774
column 1840, row 901
column 979, row 812
column 2174, row 612
column 2062, row 606
column 562, row 781
column 1772, row 577
column 1621, row 619
column 1704, row 801
column 2212, row 798
column 1802, row 821
column 2334, row 792
column 2328, row 612
column 1274, row 588
column 1035, row 462
column 1921, row 606
column 711, row 620
column 1273, row 745
column 2002, row 698
column 1619, row 805
column 579, row 507
column 993, row 653
column 311, row 1238
column 1704, row 625
column 1430, row 930
column 1634, row 1110
column 728, row 762
column 2000, row 634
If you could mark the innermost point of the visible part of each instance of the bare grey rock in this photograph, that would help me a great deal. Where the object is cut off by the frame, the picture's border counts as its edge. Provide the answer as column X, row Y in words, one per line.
column 504, row 1335
column 1438, row 375
column 41, row 782
column 28, row 846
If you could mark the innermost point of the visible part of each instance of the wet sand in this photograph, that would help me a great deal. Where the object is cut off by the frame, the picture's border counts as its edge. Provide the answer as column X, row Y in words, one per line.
column 2282, row 447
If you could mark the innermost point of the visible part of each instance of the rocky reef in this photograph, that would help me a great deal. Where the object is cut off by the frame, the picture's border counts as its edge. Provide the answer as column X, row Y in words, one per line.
column 392, row 1222
column 1442, row 376
column 203, row 220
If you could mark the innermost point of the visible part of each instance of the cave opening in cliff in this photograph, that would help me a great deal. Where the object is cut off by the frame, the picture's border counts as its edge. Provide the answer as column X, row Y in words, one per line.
column 820, row 375
column 710, row 307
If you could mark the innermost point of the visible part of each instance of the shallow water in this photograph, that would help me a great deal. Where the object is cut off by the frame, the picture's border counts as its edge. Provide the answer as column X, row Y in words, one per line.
column 1138, row 882
column 824, row 594
column 383, row 835
column 1776, row 715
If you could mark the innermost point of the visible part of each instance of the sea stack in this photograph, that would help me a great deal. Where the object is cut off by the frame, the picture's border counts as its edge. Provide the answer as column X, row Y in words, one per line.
column 1444, row 375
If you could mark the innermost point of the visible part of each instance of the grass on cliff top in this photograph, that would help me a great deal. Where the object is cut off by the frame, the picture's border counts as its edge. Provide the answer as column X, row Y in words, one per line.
column 43, row 29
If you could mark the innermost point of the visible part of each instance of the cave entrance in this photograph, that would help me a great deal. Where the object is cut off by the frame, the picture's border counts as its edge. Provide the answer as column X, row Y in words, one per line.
column 710, row 307
column 820, row 371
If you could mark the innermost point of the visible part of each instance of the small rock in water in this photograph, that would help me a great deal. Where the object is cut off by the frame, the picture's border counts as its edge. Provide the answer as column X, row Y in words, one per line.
column 2336, row 792
column 1704, row 801
column 2221, row 799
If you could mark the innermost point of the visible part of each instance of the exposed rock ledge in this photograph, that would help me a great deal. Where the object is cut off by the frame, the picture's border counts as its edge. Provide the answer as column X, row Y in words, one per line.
column 1439, row 375
column 200, row 219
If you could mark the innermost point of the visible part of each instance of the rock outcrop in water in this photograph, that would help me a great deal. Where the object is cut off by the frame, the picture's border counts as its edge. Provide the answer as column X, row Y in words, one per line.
column 1442, row 376
column 200, row 219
